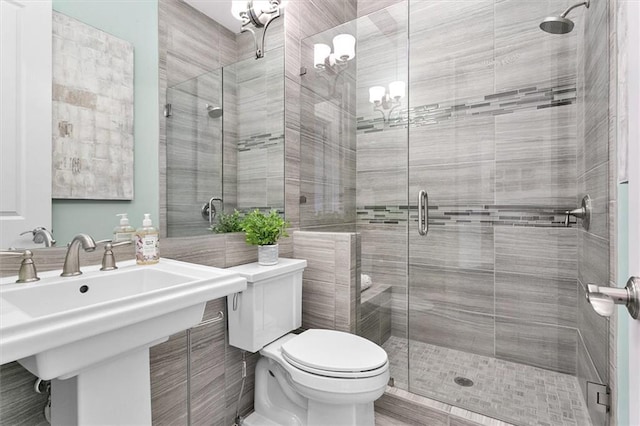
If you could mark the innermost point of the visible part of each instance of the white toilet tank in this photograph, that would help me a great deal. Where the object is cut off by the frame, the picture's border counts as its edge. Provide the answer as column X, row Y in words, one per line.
column 270, row 307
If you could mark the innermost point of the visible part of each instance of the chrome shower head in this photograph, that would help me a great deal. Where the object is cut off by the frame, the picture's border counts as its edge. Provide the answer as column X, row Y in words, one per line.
column 556, row 25
column 561, row 24
column 214, row 112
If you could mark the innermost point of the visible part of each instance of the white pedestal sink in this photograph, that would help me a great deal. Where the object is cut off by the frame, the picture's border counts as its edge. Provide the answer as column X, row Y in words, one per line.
column 91, row 334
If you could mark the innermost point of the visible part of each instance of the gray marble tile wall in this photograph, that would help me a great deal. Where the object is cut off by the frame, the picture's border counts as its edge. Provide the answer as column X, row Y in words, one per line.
column 194, row 153
column 303, row 19
column 327, row 166
column 384, row 258
column 374, row 322
column 596, row 64
column 216, row 365
column 260, row 129
column 480, row 281
column 331, row 281
column 190, row 44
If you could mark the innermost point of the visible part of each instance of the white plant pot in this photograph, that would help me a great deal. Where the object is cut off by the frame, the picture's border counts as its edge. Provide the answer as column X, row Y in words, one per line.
column 268, row 255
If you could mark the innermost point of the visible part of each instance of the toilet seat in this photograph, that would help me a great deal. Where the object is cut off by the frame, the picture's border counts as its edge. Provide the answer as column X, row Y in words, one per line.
column 336, row 354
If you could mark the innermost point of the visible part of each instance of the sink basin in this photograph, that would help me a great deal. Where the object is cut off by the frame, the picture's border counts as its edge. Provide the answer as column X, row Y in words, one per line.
column 92, row 326
column 60, row 294
column 57, row 311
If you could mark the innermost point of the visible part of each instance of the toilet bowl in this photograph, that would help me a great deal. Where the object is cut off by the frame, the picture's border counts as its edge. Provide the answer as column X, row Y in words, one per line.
column 320, row 377
column 316, row 378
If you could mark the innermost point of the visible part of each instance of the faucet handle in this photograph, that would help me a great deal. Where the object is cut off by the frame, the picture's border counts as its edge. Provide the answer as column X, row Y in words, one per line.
column 108, row 259
column 41, row 235
column 27, row 272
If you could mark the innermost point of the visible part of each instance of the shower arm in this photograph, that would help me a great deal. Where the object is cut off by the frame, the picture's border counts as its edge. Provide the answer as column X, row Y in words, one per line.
column 566, row 12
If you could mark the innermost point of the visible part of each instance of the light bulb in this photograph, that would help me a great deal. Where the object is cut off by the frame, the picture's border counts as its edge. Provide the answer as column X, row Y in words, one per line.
column 344, row 47
column 320, row 54
column 238, row 8
column 376, row 93
column 396, row 89
column 261, row 6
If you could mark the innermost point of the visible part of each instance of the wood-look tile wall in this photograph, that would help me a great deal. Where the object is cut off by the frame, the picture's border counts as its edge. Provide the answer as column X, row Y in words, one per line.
column 484, row 286
column 331, row 281
column 190, row 44
column 302, row 19
column 597, row 176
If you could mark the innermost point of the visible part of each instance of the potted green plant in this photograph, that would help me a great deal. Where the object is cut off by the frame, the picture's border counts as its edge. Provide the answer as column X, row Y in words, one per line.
column 264, row 231
column 227, row 223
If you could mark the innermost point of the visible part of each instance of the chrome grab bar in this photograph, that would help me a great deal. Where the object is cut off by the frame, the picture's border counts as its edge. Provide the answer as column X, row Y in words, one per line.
column 423, row 212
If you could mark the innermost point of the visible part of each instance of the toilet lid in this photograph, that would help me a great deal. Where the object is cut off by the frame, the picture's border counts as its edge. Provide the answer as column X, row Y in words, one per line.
column 329, row 351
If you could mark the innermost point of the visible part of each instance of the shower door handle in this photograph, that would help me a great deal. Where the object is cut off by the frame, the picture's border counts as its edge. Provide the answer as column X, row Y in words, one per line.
column 423, row 212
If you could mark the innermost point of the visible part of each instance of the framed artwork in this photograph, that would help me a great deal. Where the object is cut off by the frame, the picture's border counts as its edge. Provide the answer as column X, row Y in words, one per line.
column 92, row 113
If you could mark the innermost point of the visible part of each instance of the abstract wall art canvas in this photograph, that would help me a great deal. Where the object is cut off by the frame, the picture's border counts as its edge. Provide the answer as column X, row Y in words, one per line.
column 92, row 113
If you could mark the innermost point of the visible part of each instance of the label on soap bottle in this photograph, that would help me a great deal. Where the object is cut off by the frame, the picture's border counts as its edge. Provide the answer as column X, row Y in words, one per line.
column 147, row 249
column 122, row 236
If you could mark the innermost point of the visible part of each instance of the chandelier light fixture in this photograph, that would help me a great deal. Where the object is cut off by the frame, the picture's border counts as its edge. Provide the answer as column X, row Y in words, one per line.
column 258, row 14
column 386, row 102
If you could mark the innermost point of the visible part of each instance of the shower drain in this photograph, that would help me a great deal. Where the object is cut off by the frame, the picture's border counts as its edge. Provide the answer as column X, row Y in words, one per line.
column 463, row 381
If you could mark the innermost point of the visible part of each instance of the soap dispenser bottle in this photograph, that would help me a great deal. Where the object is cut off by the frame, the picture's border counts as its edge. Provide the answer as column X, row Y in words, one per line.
column 147, row 244
column 124, row 231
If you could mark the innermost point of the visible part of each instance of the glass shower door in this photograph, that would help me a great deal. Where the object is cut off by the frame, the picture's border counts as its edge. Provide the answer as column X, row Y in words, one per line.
column 492, row 289
column 194, row 152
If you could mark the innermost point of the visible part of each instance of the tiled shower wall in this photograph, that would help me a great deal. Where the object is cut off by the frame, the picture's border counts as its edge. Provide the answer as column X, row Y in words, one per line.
column 194, row 152
column 492, row 138
column 259, row 126
column 251, row 94
column 596, row 176
column 302, row 19
column 190, row 45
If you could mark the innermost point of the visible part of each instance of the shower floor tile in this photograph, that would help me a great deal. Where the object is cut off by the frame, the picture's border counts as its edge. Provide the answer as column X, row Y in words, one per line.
column 515, row 393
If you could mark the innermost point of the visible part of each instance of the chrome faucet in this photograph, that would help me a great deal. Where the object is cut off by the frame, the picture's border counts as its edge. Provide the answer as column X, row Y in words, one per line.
column 72, row 260
column 42, row 235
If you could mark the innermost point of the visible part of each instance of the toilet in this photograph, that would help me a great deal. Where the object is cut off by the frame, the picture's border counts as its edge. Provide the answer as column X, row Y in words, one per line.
column 316, row 378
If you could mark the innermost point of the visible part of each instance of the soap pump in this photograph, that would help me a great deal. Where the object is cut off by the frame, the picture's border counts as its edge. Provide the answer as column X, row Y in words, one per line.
column 147, row 244
column 124, row 231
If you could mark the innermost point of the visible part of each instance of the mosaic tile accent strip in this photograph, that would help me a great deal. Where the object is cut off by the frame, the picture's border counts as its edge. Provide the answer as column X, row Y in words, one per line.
column 487, row 215
column 512, row 392
column 244, row 210
column 260, row 142
column 528, row 98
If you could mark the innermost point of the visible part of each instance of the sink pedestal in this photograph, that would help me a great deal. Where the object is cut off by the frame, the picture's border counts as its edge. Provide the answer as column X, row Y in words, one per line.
column 115, row 393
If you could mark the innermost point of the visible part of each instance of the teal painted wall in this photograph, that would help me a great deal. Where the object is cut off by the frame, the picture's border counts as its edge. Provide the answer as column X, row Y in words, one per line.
column 136, row 22
column 623, row 319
